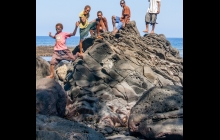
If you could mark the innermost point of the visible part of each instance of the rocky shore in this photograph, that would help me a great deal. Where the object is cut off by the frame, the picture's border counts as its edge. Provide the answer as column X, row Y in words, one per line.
column 47, row 50
column 127, row 86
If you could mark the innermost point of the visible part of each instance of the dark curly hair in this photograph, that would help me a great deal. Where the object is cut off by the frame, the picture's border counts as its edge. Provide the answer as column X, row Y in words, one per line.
column 59, row 24
column 122, row 1
column 87, row 6
column 99, row 12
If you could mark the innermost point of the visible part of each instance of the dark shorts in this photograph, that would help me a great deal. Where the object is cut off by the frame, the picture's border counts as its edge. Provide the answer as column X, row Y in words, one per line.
column 94, row 27
column 117, row 20
column 150, row 18
column 84, row 32
column 59, row 55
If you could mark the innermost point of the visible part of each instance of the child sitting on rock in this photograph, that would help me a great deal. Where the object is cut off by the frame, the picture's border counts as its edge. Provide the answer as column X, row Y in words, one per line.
column 61, row 52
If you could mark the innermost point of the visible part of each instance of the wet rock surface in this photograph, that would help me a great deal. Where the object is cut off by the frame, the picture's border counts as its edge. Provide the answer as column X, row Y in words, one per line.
column 122, row 83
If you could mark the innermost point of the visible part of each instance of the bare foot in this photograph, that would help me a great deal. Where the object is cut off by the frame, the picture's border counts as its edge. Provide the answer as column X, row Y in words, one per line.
column 145, row 31
column 112, row 33
column 99, row 37
column 152, row 32
column 81, row 56
column 50, row 76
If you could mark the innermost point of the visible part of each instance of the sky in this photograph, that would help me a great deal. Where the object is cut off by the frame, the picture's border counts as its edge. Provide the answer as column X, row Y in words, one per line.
column 50, row 12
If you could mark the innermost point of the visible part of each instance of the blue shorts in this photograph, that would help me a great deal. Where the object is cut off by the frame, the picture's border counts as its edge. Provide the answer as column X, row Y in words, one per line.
column 117, row 20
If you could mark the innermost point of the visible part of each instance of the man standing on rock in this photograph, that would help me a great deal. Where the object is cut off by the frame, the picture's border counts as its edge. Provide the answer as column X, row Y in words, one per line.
column 125, row 18
column 151, row 15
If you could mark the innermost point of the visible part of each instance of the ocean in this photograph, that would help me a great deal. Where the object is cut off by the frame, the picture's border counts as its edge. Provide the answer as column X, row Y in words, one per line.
column 74, row 41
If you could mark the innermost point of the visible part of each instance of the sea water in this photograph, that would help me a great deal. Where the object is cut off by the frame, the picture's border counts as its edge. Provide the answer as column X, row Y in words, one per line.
column 74, row 41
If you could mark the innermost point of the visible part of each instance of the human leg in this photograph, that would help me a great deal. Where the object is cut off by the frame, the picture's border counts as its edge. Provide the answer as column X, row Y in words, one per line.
column 79, row 55
column 85, row 31
column 119, row 26
column 98, row 28
column 54, row 60
column 83, row 34
column 80, row 46
column 153, row 26
column 69, row 55
column 92, row 33
column 113, row 21
column 102, row 26
column 154, row 18
column 147, row 21
column 51, row 71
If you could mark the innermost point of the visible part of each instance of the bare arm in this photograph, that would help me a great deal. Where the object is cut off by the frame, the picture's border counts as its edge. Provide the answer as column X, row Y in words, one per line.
column 158, row 7
column 82, row 20
column 92, row 21
column 125, row 21
column 51, row 35
column 74, row 32
column 106, row 23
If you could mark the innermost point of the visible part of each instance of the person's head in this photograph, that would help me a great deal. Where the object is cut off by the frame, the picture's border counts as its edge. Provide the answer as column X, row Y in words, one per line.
column 59, row 27
column 122, row 3
column 99, row 14
column 87, row 9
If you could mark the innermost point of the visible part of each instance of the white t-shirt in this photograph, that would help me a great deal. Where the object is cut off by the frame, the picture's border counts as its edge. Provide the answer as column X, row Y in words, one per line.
column 153, row 6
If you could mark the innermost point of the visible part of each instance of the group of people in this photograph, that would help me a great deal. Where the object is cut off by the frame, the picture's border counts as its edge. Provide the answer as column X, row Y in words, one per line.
column 95, row 27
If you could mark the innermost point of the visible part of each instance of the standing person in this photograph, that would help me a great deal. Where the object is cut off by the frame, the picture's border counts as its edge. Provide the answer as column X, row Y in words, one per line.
column 151, row 15
column 101, row 24
column 84, row 25
column 61, row 52
column 123, row 20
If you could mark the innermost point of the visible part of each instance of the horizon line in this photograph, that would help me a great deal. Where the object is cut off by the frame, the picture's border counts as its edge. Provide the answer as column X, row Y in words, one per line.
column 79, row 36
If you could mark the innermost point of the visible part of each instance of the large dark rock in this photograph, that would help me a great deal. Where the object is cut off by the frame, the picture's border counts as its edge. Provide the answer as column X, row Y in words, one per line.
column 57, row 128
column 158, row 113
column 42, row 68
column 51, row 98
column 116, row 71
column 114, row 74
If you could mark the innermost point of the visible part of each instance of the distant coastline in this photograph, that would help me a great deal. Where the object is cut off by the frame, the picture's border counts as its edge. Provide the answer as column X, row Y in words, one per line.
column 47, row 50
column 45, row 44
column 78, row 36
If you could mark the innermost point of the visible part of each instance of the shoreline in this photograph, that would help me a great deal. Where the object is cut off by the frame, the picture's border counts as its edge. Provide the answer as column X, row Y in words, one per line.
column 48, row 50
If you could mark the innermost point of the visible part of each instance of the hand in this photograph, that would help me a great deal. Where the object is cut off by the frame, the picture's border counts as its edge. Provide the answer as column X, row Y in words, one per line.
column 49, row 33
column 158, row 11
column 77, row 23
column 123, row 25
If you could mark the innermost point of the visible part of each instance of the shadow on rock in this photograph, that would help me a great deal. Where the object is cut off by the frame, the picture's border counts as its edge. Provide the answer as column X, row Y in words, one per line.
column 124, row 81
column 57, row 128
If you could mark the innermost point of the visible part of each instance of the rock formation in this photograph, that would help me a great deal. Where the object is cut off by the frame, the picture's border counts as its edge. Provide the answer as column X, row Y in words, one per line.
column 42, row 68
column 124, row 84
column 160, row 113
column 57, row 128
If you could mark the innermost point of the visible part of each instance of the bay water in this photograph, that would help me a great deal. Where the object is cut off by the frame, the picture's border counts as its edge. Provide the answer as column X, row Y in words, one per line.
column 74, row 41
